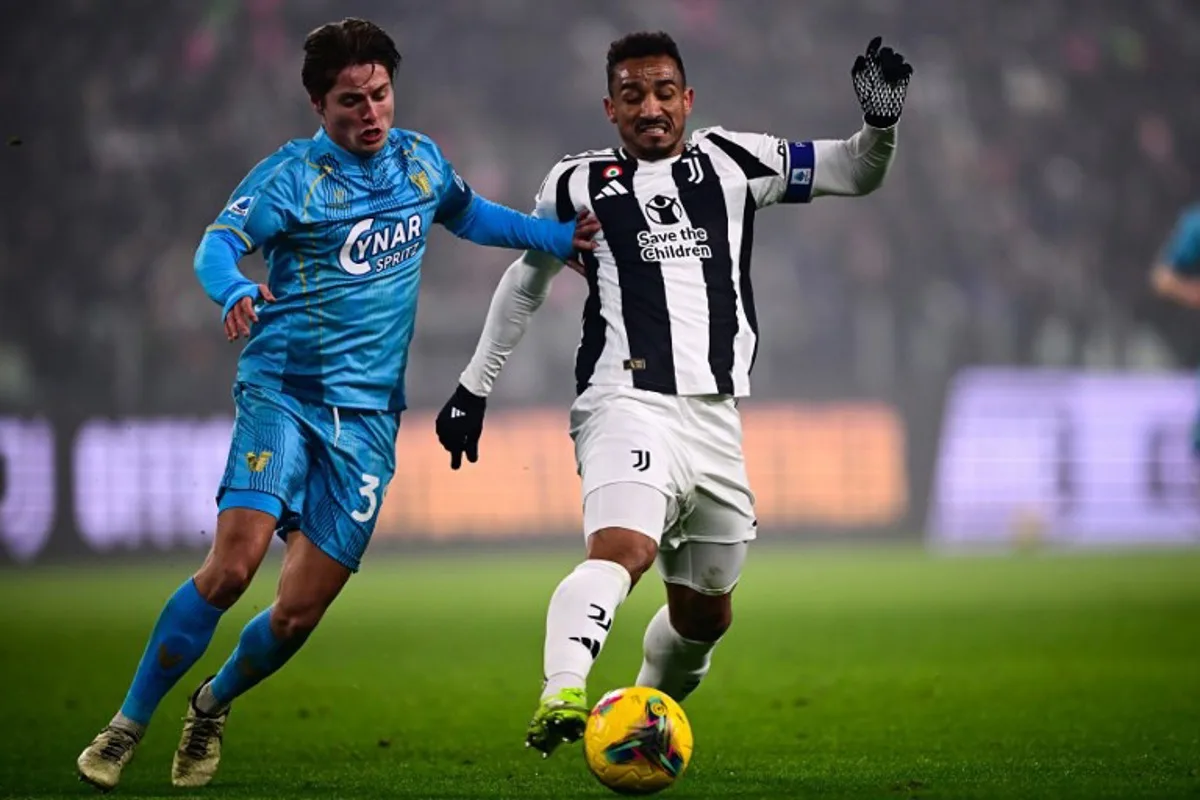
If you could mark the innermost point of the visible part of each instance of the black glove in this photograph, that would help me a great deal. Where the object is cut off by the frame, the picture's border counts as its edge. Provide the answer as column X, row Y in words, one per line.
column 881, row 82
column 460, row 424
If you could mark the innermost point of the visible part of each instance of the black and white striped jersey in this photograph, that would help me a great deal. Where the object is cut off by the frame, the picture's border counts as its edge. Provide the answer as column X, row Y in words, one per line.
column 670, row 307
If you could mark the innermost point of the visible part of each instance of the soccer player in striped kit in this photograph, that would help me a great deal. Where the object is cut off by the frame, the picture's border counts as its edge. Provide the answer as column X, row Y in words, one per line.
column 669, row 335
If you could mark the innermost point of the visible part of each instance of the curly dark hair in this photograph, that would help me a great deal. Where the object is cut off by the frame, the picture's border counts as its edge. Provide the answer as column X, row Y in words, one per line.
column 640, row 45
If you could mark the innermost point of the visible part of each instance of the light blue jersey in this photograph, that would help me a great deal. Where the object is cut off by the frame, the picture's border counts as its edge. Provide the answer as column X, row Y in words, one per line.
column 320, row 384
column 343, row 237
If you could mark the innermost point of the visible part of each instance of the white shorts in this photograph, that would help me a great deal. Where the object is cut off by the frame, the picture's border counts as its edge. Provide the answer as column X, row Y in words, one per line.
column 689, row 449
column 711, row 568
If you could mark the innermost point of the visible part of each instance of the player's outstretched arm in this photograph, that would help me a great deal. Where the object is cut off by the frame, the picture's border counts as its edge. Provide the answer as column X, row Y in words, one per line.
column 853, row 167
column 491, row 224
column 858, row 165
column 519, row 295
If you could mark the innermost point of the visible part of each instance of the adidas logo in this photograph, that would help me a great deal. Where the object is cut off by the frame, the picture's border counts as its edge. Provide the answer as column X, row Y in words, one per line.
column 455, row 413
column 592, row 645
column 611, row 189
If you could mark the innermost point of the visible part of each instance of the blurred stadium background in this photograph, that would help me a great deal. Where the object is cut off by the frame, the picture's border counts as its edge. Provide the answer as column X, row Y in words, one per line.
column 969, row 358
column 1045, row 154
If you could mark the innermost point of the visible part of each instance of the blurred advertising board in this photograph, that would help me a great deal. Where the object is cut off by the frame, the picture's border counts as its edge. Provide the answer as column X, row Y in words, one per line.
column 1068, row 458
column 840, row 465
column 27, row 486
column 149, row 483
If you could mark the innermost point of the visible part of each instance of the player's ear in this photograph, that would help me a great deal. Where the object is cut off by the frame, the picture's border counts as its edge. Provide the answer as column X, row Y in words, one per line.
column 611, row 110
column 689, row 97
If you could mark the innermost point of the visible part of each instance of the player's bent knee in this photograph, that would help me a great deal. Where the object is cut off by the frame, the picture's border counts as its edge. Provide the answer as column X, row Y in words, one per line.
column 699, row 617
column 706, row 626
column 243, row 536
column 710, row 624
column 633, row 550
column 222, row 580
column 298, row 609
column 289, row 624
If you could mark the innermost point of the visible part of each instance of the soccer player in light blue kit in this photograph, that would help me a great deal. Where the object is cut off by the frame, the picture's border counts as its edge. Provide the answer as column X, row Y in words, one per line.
column 342, row 220
column 1176, row 275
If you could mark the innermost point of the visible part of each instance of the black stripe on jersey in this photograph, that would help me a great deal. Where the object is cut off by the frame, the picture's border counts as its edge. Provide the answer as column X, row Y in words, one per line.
column 704, row 201
column 743, row 158
column 746, row 289
column 564, row 206
column 591, row 345
column 643, row 292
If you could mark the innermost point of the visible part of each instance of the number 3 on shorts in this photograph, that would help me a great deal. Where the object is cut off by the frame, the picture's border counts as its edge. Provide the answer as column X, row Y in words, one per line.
column 367, row 490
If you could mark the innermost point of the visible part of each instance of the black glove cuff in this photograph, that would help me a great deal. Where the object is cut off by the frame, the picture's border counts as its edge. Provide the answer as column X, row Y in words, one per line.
column 468, row 401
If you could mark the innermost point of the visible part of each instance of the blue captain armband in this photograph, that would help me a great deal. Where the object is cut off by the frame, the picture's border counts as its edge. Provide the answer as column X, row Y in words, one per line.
column 801, row 163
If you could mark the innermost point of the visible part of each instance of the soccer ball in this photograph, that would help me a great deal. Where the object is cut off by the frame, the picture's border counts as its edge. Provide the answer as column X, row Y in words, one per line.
column 637, row 741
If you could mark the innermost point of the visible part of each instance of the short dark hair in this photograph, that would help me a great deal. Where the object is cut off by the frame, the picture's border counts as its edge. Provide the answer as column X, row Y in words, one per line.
column 336, row 45
column 640, row 45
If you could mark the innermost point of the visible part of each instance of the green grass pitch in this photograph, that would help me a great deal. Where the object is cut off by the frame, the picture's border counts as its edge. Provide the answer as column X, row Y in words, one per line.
column 847, row 674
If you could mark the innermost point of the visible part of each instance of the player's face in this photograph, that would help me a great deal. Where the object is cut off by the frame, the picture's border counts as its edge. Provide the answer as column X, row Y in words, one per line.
column 357, row 112
column 649, row 105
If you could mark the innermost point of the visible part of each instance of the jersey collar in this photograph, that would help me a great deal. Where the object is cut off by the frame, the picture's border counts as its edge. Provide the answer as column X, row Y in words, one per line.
column 343, row 156
column 624, row 155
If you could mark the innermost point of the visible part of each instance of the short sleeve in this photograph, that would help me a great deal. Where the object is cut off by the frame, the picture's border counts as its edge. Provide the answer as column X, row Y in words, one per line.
column 553, row 199
column 778, row 170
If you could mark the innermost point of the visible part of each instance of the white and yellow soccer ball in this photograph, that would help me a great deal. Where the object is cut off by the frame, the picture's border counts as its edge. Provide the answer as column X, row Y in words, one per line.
column 637, row 741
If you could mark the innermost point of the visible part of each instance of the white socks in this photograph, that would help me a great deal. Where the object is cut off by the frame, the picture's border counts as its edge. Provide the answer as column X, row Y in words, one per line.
column 577, row 623
column 672, row 663
column 207, row 702
column 134, row 729
column 579, row 619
